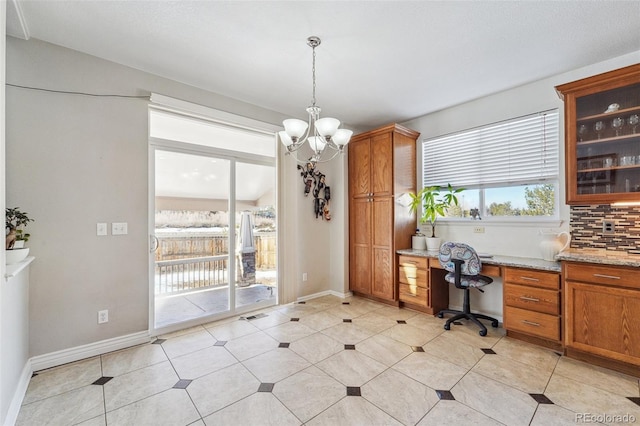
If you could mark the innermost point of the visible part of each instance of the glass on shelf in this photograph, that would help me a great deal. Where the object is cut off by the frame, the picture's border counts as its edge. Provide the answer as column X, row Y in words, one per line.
column 582, row 131
column 633, row 122
column 617, row 124
column 599, row 128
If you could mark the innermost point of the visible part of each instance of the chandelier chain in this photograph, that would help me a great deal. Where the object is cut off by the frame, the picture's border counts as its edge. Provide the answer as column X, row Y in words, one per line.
column 313, row 73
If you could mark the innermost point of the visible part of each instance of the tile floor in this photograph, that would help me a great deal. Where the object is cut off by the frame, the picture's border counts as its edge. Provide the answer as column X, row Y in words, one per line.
column 330, row 361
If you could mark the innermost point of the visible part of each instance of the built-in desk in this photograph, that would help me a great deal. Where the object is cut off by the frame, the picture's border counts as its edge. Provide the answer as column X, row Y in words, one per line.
column 531, row 300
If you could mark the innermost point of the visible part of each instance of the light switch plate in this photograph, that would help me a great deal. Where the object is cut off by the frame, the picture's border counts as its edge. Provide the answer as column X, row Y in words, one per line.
column 101, row 229
column 119, row 228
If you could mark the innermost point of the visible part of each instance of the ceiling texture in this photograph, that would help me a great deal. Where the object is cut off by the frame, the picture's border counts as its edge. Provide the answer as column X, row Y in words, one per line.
column 379, row 61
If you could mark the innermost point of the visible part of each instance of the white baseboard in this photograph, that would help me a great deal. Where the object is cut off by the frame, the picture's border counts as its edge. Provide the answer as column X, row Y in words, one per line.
column 77, row 353
column 18, row 395
column 325, row 293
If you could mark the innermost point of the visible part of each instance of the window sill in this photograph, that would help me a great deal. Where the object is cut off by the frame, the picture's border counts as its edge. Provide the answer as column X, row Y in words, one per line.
column 529, row 223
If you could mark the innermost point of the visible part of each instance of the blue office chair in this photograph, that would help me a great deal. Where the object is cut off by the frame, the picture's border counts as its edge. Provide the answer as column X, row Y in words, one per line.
column 463, row 264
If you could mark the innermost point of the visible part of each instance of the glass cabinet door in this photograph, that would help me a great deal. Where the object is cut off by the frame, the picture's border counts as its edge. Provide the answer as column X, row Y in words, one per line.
column 602, row 132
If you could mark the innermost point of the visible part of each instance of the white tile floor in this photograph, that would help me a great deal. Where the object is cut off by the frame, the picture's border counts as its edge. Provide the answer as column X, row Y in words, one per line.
column 304, row 364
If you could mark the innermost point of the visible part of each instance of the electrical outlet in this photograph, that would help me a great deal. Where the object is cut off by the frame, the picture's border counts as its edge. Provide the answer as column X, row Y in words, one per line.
column 304, row 276
column 608, row 227
column 101, row 229
column 478, row 229
column 119, row 228
column 103, row 316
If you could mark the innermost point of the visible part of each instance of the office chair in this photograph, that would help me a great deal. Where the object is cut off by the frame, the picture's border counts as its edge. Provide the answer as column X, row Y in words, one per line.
column 463, row 264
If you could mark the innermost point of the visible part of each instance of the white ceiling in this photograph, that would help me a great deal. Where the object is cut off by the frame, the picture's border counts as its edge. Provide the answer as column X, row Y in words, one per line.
column 380, row 61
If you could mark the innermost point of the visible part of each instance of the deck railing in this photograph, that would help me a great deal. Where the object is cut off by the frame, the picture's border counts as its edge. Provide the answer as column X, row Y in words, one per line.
column 178, row 275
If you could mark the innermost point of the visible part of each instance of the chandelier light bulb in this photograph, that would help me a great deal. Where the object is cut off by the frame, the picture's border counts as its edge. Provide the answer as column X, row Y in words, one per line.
column 284, row 137
column 295, row 128
column 327, row 126
column 317, row 143
column 342, row 137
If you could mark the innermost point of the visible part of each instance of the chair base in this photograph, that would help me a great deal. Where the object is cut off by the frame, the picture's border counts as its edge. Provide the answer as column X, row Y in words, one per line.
column 469, row 316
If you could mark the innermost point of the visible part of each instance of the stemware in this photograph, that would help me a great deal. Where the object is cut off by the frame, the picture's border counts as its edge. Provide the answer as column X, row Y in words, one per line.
column 617, row 124
column 582, row 131
column 633, row 122
column 599, row 128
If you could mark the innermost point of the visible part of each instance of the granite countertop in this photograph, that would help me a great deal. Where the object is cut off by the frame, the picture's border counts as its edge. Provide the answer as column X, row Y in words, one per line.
column 600, row 256
column 518, row 262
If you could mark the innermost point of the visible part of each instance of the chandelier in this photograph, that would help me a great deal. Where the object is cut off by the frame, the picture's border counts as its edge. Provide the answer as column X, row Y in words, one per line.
column 322, row 134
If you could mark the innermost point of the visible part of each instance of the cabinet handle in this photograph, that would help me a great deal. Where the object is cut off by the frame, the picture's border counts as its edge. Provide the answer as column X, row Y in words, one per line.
column 530, row 279
column 412, row 278
column 411, row 262
column 535, row 324
column 530, row 299
column 611, row 277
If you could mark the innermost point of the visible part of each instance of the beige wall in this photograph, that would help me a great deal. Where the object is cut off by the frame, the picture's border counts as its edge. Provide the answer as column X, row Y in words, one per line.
column 73, row 161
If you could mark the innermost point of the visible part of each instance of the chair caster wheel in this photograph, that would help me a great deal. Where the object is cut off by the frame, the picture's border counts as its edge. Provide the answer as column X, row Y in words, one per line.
column 447, row 326
column 440, row 315
column 482, row 333
column 494, row 324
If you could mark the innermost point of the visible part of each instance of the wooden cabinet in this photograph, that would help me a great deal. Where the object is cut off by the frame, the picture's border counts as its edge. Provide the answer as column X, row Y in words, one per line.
column 382, row 166
column 602, row 137
column 532, row 305
column 417, row 289
column 602, row 312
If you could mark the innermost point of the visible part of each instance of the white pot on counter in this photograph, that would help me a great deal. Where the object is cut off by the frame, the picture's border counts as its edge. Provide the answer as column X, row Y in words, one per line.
column 418, row 242
column 433, row 243
column 16, row 255
column 551, row 244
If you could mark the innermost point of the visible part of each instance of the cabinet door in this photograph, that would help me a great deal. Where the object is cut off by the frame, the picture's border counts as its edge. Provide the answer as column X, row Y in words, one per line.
column 360, row 168
column 360, row 245
column 382, row 246
column 382, row 165
column 603, row 320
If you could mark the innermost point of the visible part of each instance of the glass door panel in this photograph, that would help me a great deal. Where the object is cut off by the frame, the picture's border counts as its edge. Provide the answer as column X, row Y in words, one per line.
column 191, row 262
column 256, row 280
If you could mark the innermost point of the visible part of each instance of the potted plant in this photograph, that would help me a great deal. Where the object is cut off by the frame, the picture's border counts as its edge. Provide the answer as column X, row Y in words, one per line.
column 16, row 237
column 435, row 200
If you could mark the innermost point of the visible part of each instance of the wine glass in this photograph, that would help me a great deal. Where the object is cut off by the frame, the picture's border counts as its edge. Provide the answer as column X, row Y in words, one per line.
column 633, row 122
column 599, row 128
column 617, row 124
column 582, row 131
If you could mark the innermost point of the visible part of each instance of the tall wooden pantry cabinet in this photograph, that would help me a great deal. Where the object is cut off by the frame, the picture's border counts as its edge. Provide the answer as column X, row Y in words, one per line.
column 382, row 167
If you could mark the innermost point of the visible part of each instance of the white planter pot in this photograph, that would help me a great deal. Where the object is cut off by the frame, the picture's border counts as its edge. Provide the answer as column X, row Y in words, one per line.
column 16, row 255
column 433, row 243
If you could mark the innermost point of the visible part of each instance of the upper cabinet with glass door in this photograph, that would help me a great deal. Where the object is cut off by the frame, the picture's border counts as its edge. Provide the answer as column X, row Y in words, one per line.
column 602, row 137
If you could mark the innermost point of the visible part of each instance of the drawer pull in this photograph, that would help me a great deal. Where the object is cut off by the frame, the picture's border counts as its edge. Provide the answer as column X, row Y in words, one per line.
column 411, row 262
column 412, row 278
column 535, row 324
column 611, row 277
column 530, row 279
column 530, row 299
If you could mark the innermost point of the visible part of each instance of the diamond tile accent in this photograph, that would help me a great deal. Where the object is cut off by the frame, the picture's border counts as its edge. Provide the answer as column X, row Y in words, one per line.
column 488, row 351
column 417, row 348
column 346, row 303
column 445, row 394
column 266, row 387
column 295, row 319
column 302, row 303
column 158, row 341
column 182, row 384
column 102, row 380
column 349, row 347
column 284, row 345
column 401, row 321
column 347, row 320
column 220, row 343
column 353, row 391
column 634, row 399
column 541, row 398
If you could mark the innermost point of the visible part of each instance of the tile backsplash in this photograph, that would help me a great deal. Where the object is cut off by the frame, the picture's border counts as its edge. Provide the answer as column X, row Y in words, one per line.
column 586, row 227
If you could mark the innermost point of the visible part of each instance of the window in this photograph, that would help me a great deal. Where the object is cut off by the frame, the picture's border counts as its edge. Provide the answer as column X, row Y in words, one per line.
column 508, row 169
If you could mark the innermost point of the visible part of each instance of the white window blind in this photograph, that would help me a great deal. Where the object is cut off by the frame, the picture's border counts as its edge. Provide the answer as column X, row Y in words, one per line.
column 523, row 150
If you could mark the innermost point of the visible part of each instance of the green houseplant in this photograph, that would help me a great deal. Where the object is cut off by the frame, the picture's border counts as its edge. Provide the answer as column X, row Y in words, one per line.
column 434, row 200
column 14, row 219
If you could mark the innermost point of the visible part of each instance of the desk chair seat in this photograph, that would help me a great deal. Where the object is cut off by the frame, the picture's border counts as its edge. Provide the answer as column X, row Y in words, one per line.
column 464, row 266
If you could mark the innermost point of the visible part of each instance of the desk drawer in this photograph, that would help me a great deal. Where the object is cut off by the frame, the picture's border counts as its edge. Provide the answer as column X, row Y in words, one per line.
column 604, row 275
column 413, row 294
column 534, row 323
column 548, row 280
column 413, row 276
column 415, row 262
column 532, row 298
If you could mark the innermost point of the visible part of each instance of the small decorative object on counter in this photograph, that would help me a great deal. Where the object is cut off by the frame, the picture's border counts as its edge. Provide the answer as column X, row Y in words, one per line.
column 16, row 237
column 418, row 241
column 551, row 244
